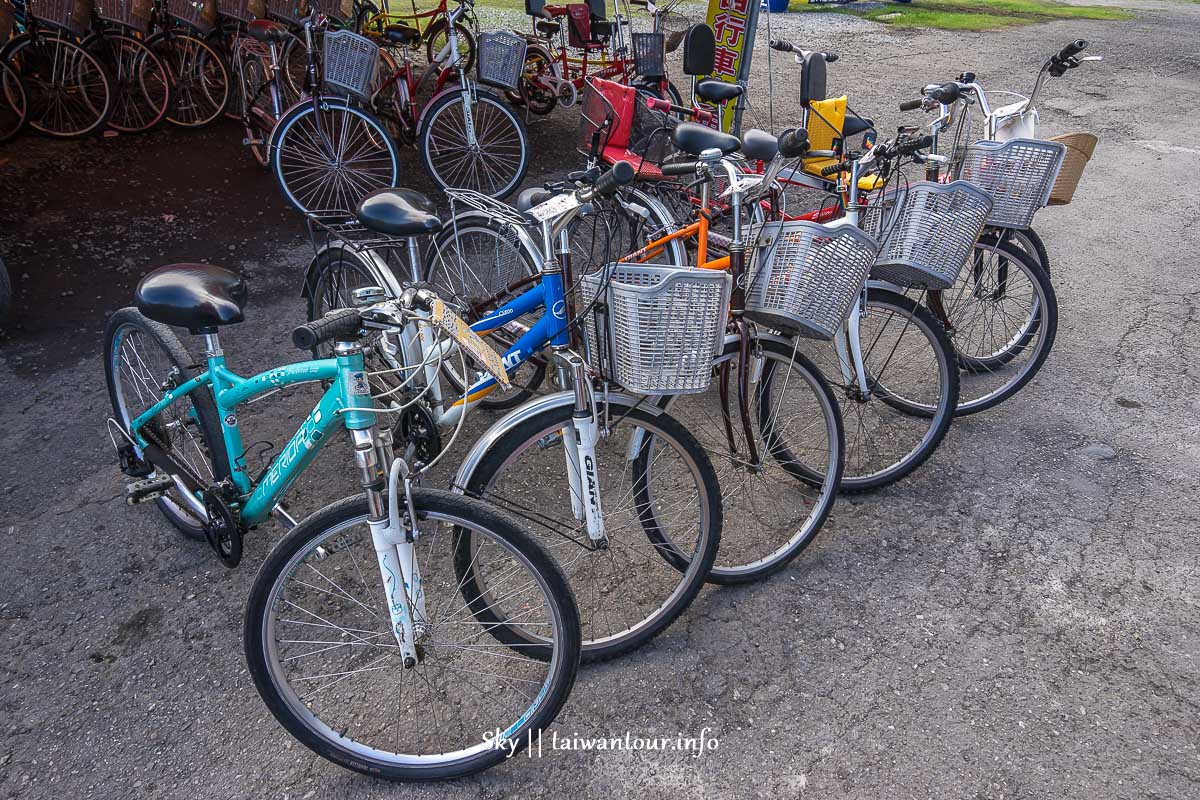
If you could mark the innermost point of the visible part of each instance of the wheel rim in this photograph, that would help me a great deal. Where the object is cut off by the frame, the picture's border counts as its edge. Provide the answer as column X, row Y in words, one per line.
column 67, row 90
column 142, row 90
column 491, row 166
column 338, row 572
column 202, row 82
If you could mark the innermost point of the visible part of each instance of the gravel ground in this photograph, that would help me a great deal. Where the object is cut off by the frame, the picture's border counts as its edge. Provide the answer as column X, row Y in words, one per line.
column 1017, row 619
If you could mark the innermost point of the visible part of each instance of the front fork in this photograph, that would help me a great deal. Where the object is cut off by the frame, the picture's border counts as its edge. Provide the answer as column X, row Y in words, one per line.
column 579, row 448
column 395, row 542
column 849, row 349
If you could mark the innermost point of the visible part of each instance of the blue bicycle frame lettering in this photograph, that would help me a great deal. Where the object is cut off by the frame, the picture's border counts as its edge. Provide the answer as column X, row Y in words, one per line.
column 347, row 402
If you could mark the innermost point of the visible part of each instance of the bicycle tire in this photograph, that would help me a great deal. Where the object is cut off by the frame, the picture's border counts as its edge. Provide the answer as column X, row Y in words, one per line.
column 438, row 29
column 211, row 445
column 343, row 747
column 685, row 584
column 772, row 506
column 203, row 78
column 140, row 78
column 334, row 192
column 15, row 107
column 506, row 148
column 257, row 119
column 50, row 83
column 1029, row 241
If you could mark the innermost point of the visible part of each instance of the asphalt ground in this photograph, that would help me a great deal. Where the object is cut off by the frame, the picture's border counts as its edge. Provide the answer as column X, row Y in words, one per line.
column 1017, row 619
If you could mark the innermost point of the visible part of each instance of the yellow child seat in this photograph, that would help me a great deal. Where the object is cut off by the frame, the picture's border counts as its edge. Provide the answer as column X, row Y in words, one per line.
column 826, row 118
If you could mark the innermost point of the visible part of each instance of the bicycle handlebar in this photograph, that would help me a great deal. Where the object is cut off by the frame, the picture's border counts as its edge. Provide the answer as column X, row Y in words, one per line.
column 666, row 106
column 680, row 168
column 911, row 105
column 606, row 185
column 793, row 143
column 1073, row 49
column 342, row 324
column 784, row 46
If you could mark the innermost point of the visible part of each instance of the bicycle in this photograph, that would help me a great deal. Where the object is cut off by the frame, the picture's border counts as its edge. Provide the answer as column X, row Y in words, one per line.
column 14, row 108
column 186, row 35
column 365, row 671
column 69, row 93
column 144, row 87
column 434, row 29
column 326, row 152
column 636, row 535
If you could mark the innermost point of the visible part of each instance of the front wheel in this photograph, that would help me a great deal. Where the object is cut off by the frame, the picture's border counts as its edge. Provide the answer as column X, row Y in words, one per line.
column 661, row 510
column 202, row 77
column 69, row 93
column 473, row 140
column 437, row 37
column 327, row 155
column 323, row 657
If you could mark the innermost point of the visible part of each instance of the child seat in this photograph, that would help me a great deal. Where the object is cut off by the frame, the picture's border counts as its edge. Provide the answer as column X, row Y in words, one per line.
column 627, row 129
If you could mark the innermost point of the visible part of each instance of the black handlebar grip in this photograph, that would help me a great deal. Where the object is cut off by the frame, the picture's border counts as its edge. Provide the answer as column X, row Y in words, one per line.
column 947, row 93
column 910, row 105
column 680, row 168
column 782, row 45
column 830, row 57
column 793, row 143
column 342, row 324
column 621, row 173
column 1073, row 49
column 834, row 169
column 913, row 145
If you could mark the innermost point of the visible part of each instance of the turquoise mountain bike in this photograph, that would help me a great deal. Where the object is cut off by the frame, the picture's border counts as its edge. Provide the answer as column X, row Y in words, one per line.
column 359, row 632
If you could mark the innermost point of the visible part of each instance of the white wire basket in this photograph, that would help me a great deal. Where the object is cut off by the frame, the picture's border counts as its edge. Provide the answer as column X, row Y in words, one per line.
column 501, row 60
column 805, row 277
column 926, row 232
column 1018, row 175
column 655, row 330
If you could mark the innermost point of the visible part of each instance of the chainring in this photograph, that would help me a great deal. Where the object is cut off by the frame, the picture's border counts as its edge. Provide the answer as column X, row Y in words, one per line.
column 223, row 529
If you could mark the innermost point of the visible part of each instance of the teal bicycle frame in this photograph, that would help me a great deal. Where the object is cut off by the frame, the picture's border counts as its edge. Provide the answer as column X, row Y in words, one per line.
column 347, row 401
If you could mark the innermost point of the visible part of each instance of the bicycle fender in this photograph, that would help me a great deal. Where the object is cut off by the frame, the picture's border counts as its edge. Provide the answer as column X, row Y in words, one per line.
column 519, row 415
column 380, row 271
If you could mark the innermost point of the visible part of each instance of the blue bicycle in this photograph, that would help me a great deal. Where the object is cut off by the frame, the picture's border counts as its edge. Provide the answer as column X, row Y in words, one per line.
column 364, row 618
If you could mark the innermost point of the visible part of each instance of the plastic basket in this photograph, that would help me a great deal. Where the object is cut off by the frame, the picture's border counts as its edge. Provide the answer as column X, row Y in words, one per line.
column 198, row 14
column 349, row 63
column 286, row 11
column 804, row 277
column 133, row 14
column 655, row 330
column 74, row 16
column 1080, row 147
column 649, row 54
column 501, row 60
column 926, row 232
column 1017, row 174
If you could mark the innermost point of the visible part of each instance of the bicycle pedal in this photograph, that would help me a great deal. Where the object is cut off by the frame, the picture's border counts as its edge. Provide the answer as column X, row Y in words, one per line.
column 249, row 142
column 131, row 464
column 147, row 490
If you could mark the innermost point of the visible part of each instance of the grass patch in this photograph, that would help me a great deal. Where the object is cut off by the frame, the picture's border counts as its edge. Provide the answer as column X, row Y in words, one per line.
column 971, row 15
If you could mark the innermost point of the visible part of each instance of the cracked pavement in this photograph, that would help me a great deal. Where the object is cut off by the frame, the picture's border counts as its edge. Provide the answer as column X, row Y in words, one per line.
column 1017, row 619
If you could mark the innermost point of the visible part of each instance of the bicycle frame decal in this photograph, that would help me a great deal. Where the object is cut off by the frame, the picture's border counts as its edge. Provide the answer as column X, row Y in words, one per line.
column 335, row 408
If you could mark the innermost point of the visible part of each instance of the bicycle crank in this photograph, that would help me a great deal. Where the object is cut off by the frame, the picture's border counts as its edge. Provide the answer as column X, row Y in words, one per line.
column 222, row 529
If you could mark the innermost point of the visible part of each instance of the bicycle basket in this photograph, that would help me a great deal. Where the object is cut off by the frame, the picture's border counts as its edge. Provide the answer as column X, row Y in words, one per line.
column 198, row 14
column 501, row 60
column 74, row 16
column 242, row 10
column 286, row 11
column 1017, row 174
column 655, row 330
column 349, row 63
column 133, row 14
column 598, row 114
column 340, row 10
column 1080, row 147
column 650, row 134
column 926, row 232
column 648, row 54
column 805, row 277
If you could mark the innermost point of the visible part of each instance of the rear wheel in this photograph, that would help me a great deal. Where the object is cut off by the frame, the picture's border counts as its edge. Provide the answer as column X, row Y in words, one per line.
column 70, row 94
column 437, row 37
column 257, row 117
column 141, row 358
column 142, row 85
column 203, row 79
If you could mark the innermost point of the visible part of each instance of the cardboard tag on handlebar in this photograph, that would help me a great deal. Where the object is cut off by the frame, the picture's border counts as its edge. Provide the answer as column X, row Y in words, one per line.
column 457, row 329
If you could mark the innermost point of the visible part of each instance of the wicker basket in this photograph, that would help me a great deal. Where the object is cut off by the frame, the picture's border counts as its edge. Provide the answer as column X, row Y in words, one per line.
column 805, row 277
column 501, row 60
column 8, row 20
column 349, row 63
column 655, row 330
column 198, row 14
column 289, row 12
column 74, row 16
column 1080, row 147
column 132, row 14
column 242, row 10
column 340, row 10
column 1017, row 174
column 926, row 232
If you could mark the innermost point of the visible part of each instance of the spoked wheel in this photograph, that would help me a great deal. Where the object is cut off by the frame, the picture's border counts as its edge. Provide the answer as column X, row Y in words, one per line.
column 912, row 378
column 323, row 657
column 141, row 359
column 662, row 512
column 333, row 162
column 69, row 92
column 1002, row 316
column 257, row 118
column 293, row 62
column 489, row 156
column 203, row 79
column 772, row 511
column 14, row 105
column 143, row 86
column 538, row 99
column 437, row 36
column 614, row 230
